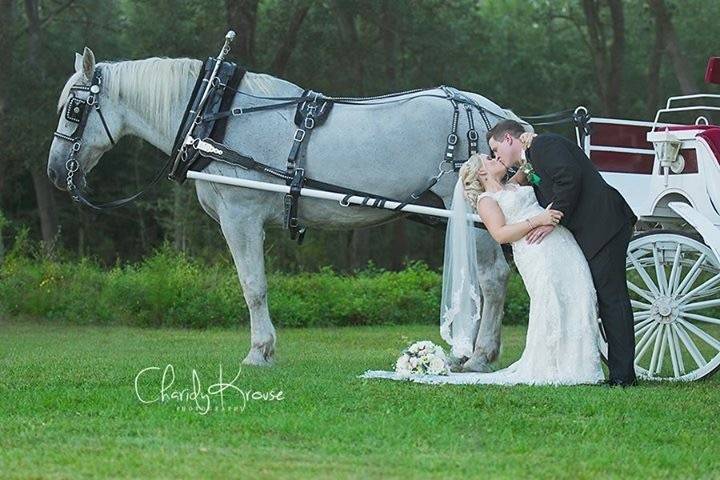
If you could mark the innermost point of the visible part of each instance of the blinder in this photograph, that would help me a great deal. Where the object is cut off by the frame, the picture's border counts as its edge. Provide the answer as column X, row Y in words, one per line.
column 75, row 109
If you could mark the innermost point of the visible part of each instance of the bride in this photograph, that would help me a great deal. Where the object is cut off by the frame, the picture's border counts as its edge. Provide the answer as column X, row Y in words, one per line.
column 563, row 335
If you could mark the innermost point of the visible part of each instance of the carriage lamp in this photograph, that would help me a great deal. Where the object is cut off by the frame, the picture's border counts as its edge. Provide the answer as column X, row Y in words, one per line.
column 668, row 152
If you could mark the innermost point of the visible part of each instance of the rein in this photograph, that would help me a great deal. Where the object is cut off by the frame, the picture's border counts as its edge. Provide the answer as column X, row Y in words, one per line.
column 359, row 101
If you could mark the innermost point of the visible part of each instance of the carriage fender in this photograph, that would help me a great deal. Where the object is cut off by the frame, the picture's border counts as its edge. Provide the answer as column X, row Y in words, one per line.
column 709, row 232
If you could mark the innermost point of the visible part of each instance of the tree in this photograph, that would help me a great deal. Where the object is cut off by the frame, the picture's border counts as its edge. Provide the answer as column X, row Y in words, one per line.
column 607, row 55
column 671, row 45
column 43, row 189
column 282, row 56
column 7, row 12
column 242, row 18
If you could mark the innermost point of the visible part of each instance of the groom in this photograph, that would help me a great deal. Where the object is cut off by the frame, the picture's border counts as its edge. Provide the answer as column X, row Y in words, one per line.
column 599, row 219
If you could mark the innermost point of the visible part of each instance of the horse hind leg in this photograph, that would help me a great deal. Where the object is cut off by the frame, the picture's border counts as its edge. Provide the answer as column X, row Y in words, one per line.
column 494, row 274
column 245, row 237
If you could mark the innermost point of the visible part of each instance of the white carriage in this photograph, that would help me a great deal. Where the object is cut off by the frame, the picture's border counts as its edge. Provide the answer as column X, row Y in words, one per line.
column 670, row 176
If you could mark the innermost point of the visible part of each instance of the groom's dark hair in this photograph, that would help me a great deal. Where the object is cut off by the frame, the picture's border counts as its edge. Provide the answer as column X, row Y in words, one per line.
column 506, row 126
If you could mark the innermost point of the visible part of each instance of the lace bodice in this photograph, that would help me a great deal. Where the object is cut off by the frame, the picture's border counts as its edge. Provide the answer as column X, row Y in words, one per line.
column 517, row 202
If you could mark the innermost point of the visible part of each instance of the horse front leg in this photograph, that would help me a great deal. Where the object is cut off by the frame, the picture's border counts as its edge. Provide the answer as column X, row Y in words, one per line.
column 245, row 238
column 494, row 273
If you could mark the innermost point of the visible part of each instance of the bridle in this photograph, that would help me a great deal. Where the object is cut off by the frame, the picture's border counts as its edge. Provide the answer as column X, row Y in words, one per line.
column 77, row 111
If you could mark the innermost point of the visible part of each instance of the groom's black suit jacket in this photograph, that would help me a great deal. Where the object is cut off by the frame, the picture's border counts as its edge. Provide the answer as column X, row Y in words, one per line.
column 593, row 210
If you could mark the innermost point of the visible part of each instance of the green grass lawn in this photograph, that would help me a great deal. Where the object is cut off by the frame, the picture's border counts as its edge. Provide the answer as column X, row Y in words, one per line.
column 69, row 410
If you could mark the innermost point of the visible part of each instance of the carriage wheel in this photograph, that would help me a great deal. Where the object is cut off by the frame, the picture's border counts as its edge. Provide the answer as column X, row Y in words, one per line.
column 674, row 285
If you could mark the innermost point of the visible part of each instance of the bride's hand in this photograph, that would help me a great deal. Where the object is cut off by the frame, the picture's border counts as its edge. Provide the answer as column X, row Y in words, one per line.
column 548, row 217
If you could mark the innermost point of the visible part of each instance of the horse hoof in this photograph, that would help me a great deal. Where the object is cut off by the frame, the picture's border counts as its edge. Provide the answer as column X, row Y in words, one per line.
column 256, row 358
column 476, row 365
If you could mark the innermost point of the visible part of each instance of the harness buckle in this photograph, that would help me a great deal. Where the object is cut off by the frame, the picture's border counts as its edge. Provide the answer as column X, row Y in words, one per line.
column 452, row 139
column 237, row 111
column 472, row 135
column 309, row 123
column 299, row 135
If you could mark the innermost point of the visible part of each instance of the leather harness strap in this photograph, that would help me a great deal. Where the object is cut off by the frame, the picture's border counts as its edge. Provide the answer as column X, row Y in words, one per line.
column 309, row 114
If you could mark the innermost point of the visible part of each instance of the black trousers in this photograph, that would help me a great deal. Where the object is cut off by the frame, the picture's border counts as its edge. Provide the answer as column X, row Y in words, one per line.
column 608, row 272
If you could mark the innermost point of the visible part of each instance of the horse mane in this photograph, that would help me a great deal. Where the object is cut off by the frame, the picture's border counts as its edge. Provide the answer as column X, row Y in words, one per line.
column 154, row 87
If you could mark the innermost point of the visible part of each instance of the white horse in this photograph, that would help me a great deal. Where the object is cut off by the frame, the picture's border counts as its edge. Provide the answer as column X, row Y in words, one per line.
column 386, row 149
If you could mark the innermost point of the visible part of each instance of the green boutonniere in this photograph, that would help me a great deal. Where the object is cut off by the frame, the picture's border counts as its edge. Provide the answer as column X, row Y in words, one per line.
column 527, row 167
column 530, row 174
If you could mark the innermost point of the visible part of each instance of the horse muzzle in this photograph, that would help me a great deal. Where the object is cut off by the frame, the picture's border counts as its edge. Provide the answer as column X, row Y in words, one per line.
column 58, row 174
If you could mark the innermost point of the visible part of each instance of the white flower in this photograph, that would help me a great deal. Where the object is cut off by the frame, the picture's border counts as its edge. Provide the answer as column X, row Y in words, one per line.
column 436, row 366
column 425, row 344
column 403, row 364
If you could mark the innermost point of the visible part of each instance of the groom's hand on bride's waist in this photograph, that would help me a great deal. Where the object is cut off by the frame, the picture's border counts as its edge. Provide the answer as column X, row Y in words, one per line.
column 537, row 235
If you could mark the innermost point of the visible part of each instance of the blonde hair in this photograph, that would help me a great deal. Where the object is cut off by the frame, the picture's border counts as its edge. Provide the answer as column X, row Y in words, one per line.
column 472, row 187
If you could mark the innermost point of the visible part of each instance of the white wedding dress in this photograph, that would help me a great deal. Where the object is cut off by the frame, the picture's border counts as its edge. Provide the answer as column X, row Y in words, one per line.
column 562, row 344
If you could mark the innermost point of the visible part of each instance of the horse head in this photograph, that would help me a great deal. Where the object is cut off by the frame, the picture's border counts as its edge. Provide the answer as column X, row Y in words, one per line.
column 85, row 131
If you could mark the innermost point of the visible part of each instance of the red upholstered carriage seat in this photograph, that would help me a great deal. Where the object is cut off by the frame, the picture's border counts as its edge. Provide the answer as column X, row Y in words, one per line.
column 712, row 73
column 712, row 137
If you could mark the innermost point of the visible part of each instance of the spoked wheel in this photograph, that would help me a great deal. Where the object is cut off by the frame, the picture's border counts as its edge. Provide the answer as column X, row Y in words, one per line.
column 674, row 284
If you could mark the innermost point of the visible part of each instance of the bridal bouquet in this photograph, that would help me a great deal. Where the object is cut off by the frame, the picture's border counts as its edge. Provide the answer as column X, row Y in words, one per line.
column 423, row 358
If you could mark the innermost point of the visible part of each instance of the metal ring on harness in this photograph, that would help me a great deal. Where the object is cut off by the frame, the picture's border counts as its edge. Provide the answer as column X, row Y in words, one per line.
column 237, row 111
column 72, row 165
column 443, row 171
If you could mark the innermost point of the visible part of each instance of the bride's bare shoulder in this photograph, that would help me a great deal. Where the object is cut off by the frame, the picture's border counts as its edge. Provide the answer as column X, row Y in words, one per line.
column 489, row 198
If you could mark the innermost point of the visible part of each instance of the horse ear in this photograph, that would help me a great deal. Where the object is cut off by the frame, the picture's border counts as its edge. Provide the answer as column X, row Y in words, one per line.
column 78, row 63
column 88, row 63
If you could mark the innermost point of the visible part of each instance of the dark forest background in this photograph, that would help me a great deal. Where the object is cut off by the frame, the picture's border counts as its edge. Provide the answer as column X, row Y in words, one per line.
column 619, row 58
